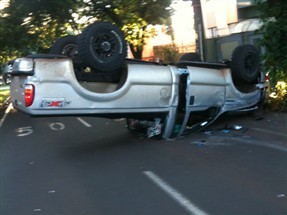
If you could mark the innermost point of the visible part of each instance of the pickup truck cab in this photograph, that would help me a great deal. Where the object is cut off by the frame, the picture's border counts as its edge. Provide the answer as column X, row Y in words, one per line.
column 161, row 100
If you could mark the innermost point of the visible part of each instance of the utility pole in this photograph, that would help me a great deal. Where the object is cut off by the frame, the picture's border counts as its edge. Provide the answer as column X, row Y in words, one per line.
column 199, row 28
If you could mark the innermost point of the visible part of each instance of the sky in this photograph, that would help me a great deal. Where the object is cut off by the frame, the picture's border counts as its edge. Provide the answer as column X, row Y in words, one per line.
column 182, row 22
column 3, row 3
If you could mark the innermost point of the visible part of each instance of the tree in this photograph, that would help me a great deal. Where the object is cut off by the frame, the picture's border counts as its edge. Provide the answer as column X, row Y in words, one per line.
column 274, row 17
column 132, row 16
column 32, row 25
column 273, row 14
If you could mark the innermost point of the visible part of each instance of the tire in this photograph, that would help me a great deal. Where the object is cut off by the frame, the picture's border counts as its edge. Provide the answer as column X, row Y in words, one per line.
column 192, row 56
column 245, row 64
column 67, row 46
column 102, row 46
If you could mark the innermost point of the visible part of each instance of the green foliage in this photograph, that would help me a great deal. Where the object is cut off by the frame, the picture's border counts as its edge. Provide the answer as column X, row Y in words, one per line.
column 277, row 99
column 277, row 92
column 273, row 14
column 275, row 77
column 166, row 54
column 33, row 25
column 4, row 94
column 135, row 35
column 132, row 16
column 274, row 17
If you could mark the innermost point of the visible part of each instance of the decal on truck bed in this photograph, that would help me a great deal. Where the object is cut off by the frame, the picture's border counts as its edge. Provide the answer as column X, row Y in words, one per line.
column 54, row 103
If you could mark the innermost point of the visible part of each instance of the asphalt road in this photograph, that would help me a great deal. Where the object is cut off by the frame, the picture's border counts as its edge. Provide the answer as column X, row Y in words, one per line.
column 91, row 166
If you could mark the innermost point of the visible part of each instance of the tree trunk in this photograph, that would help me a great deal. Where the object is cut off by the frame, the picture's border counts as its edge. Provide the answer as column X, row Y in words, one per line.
column 136, row 51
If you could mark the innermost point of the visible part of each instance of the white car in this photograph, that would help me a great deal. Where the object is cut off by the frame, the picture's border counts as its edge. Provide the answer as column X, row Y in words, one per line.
column 168, row 101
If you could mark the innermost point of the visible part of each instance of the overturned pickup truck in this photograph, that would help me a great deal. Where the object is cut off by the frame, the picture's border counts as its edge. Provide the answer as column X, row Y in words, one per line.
column 89, row 75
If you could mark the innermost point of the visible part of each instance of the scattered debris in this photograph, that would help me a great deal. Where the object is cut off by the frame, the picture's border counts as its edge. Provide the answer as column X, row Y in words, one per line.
column 233, row 128
column 37, row 210
column 226, row 129
column 208, row 132
column 282, row 195
column 200, row 143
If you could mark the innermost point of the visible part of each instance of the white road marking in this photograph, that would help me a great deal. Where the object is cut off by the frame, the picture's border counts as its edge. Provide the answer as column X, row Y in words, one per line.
column 57, row 126
column 9, row 108
column 24, row 131
column 174, row 194
column 84, row 122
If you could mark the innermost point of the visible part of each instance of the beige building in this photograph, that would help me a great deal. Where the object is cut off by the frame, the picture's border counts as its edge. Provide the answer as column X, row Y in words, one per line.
column 227, row 24
column 183, row 30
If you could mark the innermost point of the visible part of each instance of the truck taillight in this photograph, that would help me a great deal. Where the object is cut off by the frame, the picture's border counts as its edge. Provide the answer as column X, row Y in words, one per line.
column 29, row 94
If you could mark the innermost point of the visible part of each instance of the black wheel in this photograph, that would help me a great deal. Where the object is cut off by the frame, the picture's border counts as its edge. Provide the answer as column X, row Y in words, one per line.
column 67, row 46
column 245, row 64
column 102, row 46
column 192, row 56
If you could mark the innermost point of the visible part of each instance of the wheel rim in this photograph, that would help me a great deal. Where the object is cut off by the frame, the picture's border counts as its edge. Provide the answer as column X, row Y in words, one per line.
column 105, row 46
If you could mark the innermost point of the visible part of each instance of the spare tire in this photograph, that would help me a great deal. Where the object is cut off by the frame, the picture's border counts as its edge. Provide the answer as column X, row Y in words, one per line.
column 102, row 46
column 68, row 46
column 245, row 64
column 191, row 56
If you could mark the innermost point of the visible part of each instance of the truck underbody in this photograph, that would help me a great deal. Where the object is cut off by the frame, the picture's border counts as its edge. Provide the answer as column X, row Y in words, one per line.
column 161, row 100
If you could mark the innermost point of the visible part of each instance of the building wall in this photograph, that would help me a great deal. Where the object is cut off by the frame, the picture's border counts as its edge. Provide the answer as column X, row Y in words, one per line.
column 217, row 16
column 228, row 24
column 183, row 29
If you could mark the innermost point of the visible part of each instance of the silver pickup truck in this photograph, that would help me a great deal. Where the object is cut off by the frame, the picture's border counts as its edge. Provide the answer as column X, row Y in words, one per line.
column 89, row 75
